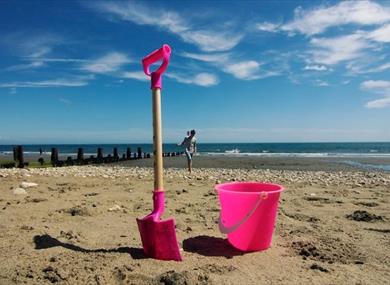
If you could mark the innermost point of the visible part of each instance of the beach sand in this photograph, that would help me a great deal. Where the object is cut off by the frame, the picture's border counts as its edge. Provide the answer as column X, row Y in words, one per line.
column 77, row 226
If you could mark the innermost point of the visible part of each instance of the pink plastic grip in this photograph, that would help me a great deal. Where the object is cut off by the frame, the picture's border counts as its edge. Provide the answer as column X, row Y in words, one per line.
column 163, row 54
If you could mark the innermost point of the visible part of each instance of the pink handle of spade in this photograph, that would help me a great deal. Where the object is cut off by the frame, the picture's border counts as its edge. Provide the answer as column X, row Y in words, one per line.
column 163, row 54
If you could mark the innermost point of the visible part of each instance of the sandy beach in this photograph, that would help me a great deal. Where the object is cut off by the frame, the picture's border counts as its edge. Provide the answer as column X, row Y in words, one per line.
column 76, row 225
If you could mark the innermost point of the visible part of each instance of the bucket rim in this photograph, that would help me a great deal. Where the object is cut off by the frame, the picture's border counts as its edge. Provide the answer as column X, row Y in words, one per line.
column 217, row 187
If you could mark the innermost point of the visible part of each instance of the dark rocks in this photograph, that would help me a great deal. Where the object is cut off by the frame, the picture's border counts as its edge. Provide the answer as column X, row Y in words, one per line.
column 315, row 266
column 77, row 211
column 364, row 216
column 53, row 274
column 173, row 278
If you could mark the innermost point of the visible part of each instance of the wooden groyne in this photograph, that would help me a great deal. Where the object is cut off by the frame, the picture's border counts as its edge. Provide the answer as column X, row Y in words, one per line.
column 81, row 159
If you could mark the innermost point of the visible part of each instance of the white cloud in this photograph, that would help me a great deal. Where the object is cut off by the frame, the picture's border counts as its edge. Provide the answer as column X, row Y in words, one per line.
column 376, row 85
column 201, row 79
column 331, row 51
column 378, row 104
column 58, row 82
column 27, row 66
column 316, row 67
column 322, row 83
column 138, row 75
column 40, row 51
column 213, row 58
column 66, row 60
column 32, row 45
column 381, row 87
column 318, row 20
column 381, row 34
column 379, row 68
column 246, row 70
column 360, row 47
column 207, row 40
column 211, row 40
column 109, row 63
column 267, row 27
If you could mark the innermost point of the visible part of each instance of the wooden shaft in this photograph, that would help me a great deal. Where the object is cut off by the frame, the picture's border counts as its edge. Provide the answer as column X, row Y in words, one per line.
column 157, row 140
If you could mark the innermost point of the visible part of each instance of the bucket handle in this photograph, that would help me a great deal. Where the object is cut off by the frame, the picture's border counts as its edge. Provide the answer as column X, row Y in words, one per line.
column 228, row 230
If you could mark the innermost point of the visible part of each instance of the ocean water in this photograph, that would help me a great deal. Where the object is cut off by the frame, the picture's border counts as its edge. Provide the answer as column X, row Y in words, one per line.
column 229, row 149
column 350, row 153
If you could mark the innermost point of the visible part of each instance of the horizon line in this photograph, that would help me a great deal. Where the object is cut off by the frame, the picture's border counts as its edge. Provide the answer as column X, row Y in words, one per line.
column 149, row 143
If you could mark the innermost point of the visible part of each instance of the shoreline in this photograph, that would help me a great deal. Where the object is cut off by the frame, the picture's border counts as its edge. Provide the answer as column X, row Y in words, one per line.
column 380, row 164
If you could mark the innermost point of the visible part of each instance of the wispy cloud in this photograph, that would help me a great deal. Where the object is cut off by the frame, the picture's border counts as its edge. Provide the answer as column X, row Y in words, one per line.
column 267, row 27
column 316, row 67
column 211, row 57
column 319, row 19
column 240, row 69
column 381, row 34
column 379, row 68
column 330, row 51
column 247, row 70
column 363, row 27
column 25, row 66
column 172, row 22
column 320, row 82
column 76, row 81
column 138, row 75
column 380, row 87
column 66, row 60
column 33, row 45
column 202, row 79
column 108, row 63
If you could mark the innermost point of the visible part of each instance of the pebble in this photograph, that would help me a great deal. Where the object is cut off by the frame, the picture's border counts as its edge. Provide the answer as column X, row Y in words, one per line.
column 20, row 191
column 115, row 208
column 355, row 180
column 28, row 184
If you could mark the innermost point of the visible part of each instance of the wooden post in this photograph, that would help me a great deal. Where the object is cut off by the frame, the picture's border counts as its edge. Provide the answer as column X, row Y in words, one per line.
column 54, row 156
column 139, row 153
column 99, row 155
column 19, row 151
column 80, row 154
column 69, row 161
column 128, row 153
column 115, row 153
column 15, row 154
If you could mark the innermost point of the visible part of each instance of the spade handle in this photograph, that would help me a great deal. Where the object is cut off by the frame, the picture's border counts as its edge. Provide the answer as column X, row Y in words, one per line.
column 157, row 141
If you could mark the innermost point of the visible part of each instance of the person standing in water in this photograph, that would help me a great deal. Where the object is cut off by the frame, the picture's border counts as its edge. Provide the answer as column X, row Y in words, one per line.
column 189, row 143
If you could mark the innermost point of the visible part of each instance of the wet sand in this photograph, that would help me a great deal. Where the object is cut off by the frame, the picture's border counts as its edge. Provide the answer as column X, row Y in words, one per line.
column 77, row 226
column 253, row 162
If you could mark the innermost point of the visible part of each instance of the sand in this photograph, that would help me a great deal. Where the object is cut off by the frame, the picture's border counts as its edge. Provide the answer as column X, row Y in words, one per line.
column 77, row 226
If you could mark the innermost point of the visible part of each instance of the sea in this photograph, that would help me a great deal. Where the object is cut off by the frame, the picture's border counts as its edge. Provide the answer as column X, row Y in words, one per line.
column 347, row 151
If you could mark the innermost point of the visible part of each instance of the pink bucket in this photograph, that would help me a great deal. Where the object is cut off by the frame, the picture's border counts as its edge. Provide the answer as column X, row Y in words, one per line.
column 248, row 213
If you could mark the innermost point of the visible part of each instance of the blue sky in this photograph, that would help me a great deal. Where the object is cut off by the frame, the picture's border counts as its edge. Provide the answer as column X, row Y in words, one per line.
column 240, row 71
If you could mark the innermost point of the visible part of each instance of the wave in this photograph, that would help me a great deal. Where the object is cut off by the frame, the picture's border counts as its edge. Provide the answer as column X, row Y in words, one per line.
column 236, row 150
column 296, row 154
column 32, row 153
column 385, row 167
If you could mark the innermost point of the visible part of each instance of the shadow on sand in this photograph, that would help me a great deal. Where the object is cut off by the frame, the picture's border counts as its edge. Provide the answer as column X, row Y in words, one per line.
column 46, row 241
column 210, row 246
